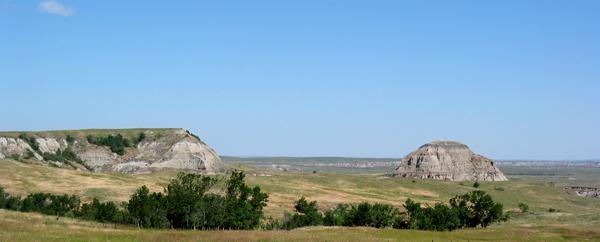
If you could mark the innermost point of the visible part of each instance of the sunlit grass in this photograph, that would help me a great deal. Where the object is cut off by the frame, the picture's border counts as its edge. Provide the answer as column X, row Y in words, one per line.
column 578, row 218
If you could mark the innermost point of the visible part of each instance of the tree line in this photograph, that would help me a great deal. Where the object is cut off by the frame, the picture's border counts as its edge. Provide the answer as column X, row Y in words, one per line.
column 473, row 209
column 192, row 201
column 186, row 203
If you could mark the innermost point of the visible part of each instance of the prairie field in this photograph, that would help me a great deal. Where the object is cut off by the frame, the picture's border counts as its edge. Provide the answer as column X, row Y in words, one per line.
column 574, row 219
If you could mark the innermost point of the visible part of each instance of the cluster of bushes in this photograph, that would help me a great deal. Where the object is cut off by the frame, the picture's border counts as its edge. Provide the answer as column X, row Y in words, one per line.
column 185, row 204
column 116, row 143
column 473, row 209
column 46, row 203
column 63, row 206
column 469, row 210
column 65, row 156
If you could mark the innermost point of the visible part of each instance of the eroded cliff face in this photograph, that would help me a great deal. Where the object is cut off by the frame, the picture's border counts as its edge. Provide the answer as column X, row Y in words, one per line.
column 448, row 160
column 159, row 149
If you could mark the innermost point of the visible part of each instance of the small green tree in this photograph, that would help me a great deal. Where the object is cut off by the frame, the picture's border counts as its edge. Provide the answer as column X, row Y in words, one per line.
column 243, row 204
column 183, row 196
column 307, row 214
column 147, row 209
column 477, row 208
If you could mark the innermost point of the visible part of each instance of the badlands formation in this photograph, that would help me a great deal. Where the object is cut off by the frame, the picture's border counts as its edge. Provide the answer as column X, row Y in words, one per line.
column 155, row 149
column 448, row 160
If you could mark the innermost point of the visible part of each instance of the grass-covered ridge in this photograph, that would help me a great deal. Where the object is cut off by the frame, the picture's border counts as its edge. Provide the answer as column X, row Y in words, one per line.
column 128, row 133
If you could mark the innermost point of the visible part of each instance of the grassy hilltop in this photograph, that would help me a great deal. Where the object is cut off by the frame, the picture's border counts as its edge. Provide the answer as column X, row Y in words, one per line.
column 577, row 218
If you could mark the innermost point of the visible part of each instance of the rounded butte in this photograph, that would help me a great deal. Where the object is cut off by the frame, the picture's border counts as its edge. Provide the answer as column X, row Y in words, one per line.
column 448, row 160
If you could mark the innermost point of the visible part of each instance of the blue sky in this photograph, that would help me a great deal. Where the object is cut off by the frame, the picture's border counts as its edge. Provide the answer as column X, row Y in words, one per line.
column 511, row 79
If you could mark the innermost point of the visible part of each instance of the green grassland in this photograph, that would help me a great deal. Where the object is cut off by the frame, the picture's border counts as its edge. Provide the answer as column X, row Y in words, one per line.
column 577, row 218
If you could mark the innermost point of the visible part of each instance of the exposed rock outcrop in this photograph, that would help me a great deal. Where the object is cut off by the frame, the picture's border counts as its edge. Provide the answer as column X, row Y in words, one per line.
column 591, row 192
column 448, row 160
column 159, row 149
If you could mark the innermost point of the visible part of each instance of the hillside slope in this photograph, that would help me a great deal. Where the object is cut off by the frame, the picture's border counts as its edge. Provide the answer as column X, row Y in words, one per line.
column 113, row 150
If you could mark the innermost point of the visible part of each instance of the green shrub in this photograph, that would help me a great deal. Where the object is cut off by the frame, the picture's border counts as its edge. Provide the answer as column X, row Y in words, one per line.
column 65, row 156
column 117, row 143
column 307, row 214
column 70, row 139
column 31, row 141
column 477, row 208
column 476, row 184
column 187, row 204
column 3, row 197
column 524, row 207
column 440, row 217
column 50, row 204
column 99, row 211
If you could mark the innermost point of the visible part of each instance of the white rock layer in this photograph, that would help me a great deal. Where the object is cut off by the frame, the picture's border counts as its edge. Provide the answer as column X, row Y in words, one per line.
column 173, row 148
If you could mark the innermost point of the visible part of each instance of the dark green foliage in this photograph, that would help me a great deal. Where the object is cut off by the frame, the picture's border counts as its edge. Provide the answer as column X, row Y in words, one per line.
column 13, row 203
column 553, row 210
column 524, row 207
column 477, row 208
column 67, row 156
column 362, row 214
column 243, row 204
column 187, row 204
column 439, row 217
column 469, row 210
column 476, row 184
column 31, row 141
column 70, row 139
column 117, row 143
column 336, row 216
column 99, row 211
column 148, row 210
column 183, row 197
column 3, row 197
column 139, row 138
column 376, row 215
column 307, row 214
column 50, row 204
column 214, row 212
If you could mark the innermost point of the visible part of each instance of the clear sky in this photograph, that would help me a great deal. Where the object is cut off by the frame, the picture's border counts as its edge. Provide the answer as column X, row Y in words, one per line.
column 511, row 79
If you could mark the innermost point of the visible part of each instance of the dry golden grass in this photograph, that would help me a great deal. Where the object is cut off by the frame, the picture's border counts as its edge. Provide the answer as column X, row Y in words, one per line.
column 578, row 219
